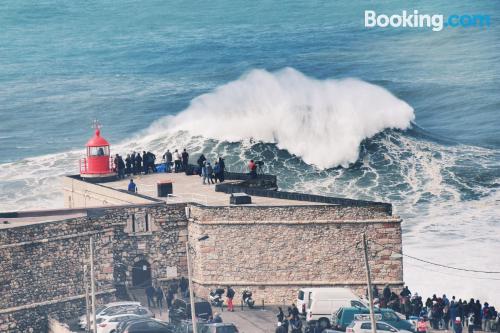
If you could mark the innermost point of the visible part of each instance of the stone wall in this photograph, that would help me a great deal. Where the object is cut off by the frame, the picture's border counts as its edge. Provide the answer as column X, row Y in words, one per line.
column 41, row 265
column 276, row 250
column 78, row 193
column 272, row 250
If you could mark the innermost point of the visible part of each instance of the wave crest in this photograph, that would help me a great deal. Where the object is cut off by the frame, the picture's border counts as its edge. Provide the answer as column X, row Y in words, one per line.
column 321, row 121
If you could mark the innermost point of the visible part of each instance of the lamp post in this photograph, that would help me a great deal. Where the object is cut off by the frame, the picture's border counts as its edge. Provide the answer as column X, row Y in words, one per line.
column 191, row 292
column 369, row 285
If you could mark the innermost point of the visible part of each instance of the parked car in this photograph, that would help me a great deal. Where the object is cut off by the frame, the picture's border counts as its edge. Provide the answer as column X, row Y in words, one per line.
column 110, row 323
column 144, row 326
column 187, row 327
column 365, row 326
column 103, row 309
column 218, row 328
column 345, row 316
column 322, row 302
column 181, row 310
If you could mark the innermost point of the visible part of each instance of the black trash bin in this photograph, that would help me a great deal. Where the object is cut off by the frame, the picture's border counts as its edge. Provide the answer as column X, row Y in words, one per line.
column 164, row 189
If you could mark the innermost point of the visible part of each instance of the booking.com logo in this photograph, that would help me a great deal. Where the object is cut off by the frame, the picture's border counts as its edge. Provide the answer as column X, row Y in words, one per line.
column 436, row 22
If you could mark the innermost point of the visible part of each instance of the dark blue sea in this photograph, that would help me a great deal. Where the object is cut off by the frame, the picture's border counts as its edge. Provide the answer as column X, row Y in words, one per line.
column 408, row 116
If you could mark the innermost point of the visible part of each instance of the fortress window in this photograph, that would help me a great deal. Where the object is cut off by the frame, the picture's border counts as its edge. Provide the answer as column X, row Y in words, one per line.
column 139, row 222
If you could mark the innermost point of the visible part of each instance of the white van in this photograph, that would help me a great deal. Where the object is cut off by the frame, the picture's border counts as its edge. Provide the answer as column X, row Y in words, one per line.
column 303, row 299
column 322, row 302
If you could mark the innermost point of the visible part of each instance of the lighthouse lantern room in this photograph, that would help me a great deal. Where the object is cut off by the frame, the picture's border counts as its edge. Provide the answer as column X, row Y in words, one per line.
column 97, row 165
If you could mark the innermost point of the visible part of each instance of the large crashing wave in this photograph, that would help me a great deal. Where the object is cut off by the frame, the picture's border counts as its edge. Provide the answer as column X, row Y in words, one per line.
column 323, row 122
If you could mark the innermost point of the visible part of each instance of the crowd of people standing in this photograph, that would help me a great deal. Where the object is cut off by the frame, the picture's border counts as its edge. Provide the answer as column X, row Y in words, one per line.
column 441, row 312
column 145, row 163
column 155, row 295
column 291, row 321
column 134, row 164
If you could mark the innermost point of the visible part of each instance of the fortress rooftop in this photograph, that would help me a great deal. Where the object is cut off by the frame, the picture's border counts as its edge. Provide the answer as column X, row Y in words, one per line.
column 191, row 189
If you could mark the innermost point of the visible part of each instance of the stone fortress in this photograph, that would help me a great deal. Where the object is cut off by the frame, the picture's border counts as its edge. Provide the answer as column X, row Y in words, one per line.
column 277, row 244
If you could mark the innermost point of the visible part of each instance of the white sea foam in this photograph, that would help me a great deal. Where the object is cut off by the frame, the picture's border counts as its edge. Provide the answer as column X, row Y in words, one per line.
column 321, row 121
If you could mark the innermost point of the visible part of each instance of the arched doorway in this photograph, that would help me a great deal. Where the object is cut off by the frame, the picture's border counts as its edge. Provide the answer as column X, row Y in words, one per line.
column 141, row 274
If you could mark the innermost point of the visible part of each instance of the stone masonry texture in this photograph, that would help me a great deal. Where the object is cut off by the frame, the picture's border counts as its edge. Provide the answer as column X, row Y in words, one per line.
column 276, row 250
column 272, row 250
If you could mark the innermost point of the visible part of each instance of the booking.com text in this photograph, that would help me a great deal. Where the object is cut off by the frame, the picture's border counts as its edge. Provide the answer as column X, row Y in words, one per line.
column 436, row 22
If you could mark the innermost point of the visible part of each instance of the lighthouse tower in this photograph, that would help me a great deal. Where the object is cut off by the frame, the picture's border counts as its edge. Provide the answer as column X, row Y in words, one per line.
column 97, row 166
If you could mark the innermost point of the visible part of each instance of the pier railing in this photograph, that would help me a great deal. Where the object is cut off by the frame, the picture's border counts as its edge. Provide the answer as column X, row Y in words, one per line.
column 262, row 192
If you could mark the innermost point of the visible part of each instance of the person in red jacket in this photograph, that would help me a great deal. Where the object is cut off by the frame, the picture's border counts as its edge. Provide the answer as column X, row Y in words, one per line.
column 252, row 167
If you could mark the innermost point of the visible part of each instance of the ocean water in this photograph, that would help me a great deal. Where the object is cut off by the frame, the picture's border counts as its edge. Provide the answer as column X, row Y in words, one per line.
column 401, row 115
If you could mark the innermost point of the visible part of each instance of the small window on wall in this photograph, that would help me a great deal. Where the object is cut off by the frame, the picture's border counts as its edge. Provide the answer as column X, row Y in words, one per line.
column 99, row 151
column 139, row 222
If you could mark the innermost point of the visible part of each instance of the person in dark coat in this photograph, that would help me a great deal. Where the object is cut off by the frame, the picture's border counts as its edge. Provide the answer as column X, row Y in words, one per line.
column 375, row 293
column 477, row 314
column 159, row 297
column 145, row 162
column 280, row 315
column 230, row 295
column 134, row 163
column 185, row 159
column 121, row 167
column 183, row 285
column 151, row 158
column 201, row 162
column 222, row 167
column 216, row 172
column 169, row 298
column 296, row 325
column 295, row 311
column 285, row 324
column 280, row 328
column 128, row 165
column 138, row 163
column 387, row 294
column 150, row 293
column 453, row 312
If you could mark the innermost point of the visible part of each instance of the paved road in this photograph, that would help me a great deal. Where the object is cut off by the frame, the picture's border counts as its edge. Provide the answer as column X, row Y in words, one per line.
column 247, row 320
column 140, row 296
column 252, row 321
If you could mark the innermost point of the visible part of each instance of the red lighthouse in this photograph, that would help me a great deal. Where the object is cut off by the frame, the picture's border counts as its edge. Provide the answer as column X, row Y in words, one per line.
column 97, row 166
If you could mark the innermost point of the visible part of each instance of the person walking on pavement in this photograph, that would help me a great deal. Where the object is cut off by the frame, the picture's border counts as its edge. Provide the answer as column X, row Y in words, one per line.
column 183, row 285
column 230, row 295
column 150, row 293
column 169, row 298
column 280, row 315
column 295, row 311
column 159, row 297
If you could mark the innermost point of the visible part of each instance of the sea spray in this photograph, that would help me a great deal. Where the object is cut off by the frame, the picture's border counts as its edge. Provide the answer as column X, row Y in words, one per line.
column 321, row 121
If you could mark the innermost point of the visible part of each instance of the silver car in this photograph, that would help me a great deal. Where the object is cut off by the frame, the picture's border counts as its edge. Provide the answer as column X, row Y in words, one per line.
column 365, row 326
column 106, row 309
